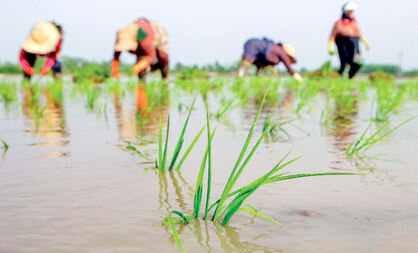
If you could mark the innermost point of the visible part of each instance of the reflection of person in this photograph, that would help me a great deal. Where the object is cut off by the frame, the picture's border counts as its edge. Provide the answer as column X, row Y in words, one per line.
column 346, row 34
column 148, row 41
column 45, row 40
column 265, row 53
column 46, row 120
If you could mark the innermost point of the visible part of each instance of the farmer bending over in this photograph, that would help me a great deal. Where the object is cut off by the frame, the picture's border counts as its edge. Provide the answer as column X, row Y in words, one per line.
column 45, row 39
column 265, row 53
column 149, row 42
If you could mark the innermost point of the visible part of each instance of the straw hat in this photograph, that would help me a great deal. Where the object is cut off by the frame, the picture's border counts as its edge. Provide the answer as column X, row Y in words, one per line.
column 43, row 39
column 127, row 38
column 290, row 51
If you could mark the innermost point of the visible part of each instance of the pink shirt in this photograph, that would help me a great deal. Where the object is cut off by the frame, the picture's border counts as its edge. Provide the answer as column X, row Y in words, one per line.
column 345, row 28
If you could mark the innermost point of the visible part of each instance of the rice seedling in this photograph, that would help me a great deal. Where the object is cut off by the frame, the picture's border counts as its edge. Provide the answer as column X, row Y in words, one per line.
column 8, row 92
column 156, row 93
column 37, row 113
column 389, row 98
column 90, row 90
column 274, row 127
column 345, row 99
column 226, row 105
column 171, row 222
column 365, row 143
column 161, row 163
column 54, row 91
column 231, row 201
column 5, row 145
column 306, row 93
column 411, row 87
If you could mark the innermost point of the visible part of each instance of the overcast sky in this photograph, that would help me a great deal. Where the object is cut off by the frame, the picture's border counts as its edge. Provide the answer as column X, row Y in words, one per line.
column 203, row 31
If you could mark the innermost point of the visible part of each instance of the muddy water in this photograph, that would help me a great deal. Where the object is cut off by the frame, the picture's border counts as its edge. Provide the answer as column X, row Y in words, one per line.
column 66, row 186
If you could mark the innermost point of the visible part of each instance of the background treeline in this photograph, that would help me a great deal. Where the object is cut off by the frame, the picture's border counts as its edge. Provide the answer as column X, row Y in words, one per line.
column 83, row 68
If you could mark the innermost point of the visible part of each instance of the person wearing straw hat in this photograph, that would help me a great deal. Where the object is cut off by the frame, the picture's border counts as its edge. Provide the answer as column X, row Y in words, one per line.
column 265, row 53
column 346, row 34
column 148, row 41
column 44, row 40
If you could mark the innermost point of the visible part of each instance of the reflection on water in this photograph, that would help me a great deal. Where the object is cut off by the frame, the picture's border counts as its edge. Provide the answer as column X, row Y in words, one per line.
column 341, row 131
column 43, row 109
column 229, row 238
column 142, row 119
column 164, row 190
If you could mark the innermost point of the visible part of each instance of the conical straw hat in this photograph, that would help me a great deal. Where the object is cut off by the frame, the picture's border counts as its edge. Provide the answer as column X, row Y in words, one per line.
column 290, row 51
column 127, row 38
column 43, row 39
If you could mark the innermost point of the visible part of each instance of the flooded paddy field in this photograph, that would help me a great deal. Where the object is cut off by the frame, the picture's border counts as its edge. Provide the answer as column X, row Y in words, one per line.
column 79, row 173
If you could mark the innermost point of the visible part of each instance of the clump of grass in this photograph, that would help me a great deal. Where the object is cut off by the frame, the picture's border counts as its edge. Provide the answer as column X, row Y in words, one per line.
column 364, row 143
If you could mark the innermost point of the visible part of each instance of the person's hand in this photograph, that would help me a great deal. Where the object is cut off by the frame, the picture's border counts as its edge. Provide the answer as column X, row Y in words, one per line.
column 28, row 70
column 140, row 66
column 331, row 50
column 298, row 77
column 115, row 68
column 367, row 44
column 43, row 72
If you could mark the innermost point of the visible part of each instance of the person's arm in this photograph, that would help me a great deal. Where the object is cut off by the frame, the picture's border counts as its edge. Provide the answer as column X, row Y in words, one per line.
column 115, row 64
column 49, row 63
column 366, row 43
column 51, row 58
column 27, row 68
column 58, row 49
column 331, row 42
column 287, row 62
column 362, row 38
column 150, row 52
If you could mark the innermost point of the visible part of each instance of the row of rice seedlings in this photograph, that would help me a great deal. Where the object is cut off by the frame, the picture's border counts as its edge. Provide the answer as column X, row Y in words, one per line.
column 231, row 201
column 202, row 87
column 244, row 89
column 364, row 143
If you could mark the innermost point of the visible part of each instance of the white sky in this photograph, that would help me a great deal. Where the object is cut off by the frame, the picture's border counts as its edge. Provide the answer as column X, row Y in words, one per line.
column 202, row 31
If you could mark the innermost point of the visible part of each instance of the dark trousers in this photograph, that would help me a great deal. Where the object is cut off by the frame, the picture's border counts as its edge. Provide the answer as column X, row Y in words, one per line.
column 348, row 49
